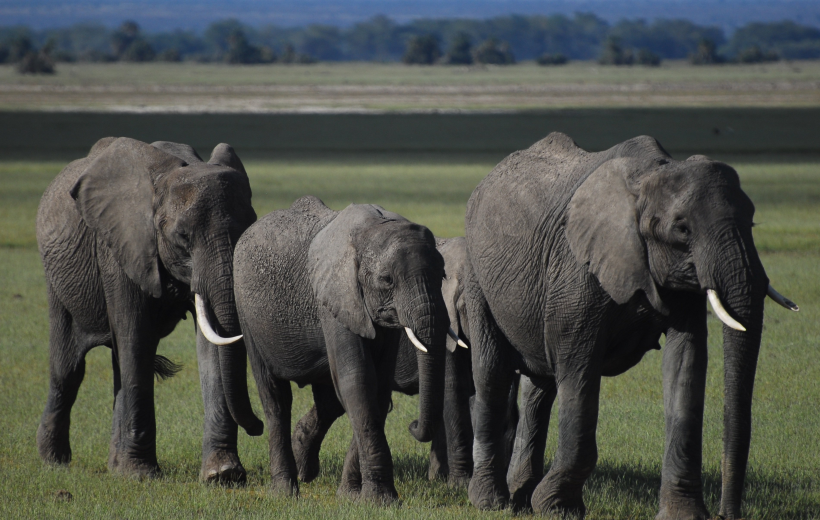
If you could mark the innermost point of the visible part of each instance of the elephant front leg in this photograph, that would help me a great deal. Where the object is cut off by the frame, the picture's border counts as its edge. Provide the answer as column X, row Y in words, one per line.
column 364, row 389
column 277, row 401
column 452, row 448
column 220, row 456
column 684, row 383
column 311, row 429
column 66, row 371
column 527, row 461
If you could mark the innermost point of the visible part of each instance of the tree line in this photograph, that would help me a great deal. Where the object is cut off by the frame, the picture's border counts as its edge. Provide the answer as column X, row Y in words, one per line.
column 551, row 40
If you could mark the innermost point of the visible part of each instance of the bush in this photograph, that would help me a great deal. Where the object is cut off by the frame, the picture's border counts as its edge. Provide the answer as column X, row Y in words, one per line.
column 494, row 52
column 138, row 51
column 754, row 55
column 169, row 55
column 459, row 53
column 289, row 55
column 614, row 54
column 706, row 54
column 552, row 59
column 648, row 58
column 35, row 63
column 422, row 50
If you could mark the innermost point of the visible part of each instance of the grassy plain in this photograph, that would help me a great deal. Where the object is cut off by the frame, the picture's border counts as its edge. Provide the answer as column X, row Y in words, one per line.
column 194, row 87
column 784, row 475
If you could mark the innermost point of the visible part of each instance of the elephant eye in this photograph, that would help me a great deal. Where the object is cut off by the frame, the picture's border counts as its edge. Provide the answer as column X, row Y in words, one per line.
column 682, row 229
column 386, row 279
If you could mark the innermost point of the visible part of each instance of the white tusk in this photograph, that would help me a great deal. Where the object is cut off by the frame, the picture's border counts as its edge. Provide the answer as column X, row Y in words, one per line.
column 205, row 326
column 782, row 300
column 414, row 339
column 721, row 312
column 455, row 337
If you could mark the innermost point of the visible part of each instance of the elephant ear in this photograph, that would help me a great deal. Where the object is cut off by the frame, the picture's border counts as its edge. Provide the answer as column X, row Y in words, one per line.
column 454, row 251
column 333, row 268
column 603, row 231
column 115, row 195
column 224, row 155
column 183, row 151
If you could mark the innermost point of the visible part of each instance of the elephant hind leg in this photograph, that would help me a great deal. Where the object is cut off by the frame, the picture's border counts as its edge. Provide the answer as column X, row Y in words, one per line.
column 311, row 429
column 66, row 372
column 277, row 401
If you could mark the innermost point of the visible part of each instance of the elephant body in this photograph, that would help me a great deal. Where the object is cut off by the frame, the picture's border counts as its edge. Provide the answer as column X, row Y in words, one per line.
column 126, row 235
column 579, row 262
column 322, row 297
column 451, row 457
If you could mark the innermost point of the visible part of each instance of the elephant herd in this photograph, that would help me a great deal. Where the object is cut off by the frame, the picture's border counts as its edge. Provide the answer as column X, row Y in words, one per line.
column 573, row 266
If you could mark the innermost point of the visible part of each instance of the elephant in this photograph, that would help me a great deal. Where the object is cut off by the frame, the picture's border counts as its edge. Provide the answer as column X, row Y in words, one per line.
column 452, row 446
column 579, row 261
column 131, row 238
column 322, row 298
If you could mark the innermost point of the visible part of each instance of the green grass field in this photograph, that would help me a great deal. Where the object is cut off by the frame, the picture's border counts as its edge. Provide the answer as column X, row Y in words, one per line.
column 784, row 474
column 353, row 86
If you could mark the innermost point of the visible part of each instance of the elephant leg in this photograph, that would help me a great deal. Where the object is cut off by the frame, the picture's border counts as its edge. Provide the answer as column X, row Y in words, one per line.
column 220, row 456
column 66, row 372
column 511, row 420
column 527, row 461
column 351, row 486
column 439, row 468
column 458, row 428
column 492, row 377
column 277, row 401
column 684, row 377
column 364, row 387
column 311, row 429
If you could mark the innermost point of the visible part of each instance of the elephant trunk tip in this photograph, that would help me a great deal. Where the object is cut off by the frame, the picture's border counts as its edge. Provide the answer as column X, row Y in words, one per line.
column 255, row 428
column 419, row 433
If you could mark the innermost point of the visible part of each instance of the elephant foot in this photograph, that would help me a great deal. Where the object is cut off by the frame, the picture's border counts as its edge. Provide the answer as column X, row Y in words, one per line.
column 547, row 499
column 522, row 484
column 307, row 463
column 285, row 486
column 691, row 509
column 456, row 481
column 223, row 467
column 53, row 445
column 380, row 493
column 486, row 493
column 349, row 489
column 135, row 469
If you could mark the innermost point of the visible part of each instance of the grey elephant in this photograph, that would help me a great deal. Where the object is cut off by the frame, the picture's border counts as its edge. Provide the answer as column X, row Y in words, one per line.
column 322, row 298
column 451, row 449
column 579, row 262
column 131, row 238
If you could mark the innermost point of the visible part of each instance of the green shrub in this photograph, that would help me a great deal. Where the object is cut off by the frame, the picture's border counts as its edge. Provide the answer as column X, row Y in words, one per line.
column 552, row 59
column 422, row 50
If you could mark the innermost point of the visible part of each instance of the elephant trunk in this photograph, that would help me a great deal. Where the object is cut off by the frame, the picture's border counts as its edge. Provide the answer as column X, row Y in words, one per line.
column 741, row 284
column 217, row 286
column 426, row 316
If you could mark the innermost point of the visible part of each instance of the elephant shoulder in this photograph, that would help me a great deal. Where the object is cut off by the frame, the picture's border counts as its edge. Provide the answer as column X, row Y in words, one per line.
column 556, row 145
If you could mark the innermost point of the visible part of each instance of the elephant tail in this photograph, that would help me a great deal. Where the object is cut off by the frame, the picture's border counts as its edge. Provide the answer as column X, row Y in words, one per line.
column 164, row 368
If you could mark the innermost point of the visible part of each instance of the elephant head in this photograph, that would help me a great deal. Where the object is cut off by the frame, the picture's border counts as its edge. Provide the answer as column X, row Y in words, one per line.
column 652, row 225
column 373, row 268
column 171, row 222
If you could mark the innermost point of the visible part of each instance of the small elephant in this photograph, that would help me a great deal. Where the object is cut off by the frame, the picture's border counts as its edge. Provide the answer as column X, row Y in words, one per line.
column 131, row 238
column 451, row 455
column 322, row 298
column 579, row 262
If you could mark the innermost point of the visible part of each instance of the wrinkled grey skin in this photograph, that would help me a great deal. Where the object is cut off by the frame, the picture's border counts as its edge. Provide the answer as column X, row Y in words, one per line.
column 126, row 236
column 451, row 457
column 579, row 262
column 323, row 297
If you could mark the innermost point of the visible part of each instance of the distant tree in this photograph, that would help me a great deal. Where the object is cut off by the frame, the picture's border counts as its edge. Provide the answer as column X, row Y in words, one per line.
column 615, row 54
column 755, row 55
column 169, row 55
column 288, row 54
column 37, row 62
column 785, row 39
column 127, row 44
column 322, row 42
column 494, row 52
column 460, row 50
column 552, row 59
column 19, row 48
column 4, row 53
column 670, row 39
column 239, row 51
column 648, row 58
column 422, row 50
column 706, row 54
column 377, row 39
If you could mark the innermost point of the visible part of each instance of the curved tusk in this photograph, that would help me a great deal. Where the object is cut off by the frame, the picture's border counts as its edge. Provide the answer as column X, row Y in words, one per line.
column 782, row 300
column 455, row 337
column 205, row 326
column 721, row 312
column 414, row 339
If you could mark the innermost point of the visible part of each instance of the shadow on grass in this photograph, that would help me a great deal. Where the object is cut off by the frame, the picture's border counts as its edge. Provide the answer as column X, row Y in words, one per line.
column 781, row 496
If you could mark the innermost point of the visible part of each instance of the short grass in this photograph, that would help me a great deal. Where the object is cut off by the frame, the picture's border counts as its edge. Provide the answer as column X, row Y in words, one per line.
column 354, row 86
column 784, row 474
